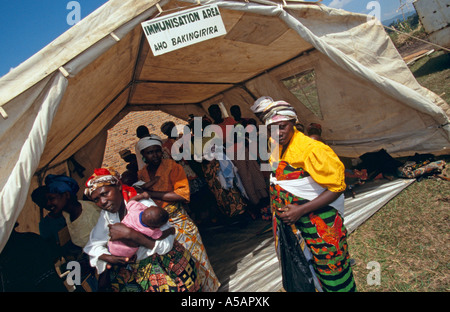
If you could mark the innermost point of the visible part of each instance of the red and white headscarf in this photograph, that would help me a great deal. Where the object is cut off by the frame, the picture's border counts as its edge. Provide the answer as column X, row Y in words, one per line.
column 101, row 177
column 105, row 177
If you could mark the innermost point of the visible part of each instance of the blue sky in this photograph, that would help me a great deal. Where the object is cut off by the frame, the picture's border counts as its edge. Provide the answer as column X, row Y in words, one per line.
column 27, row 26
column 388, row 7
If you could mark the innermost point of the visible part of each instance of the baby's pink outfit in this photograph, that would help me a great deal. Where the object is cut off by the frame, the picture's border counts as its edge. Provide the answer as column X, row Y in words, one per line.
column 133, row 220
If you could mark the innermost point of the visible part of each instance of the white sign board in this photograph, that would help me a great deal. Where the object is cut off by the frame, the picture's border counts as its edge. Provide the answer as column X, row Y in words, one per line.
column 181, row 29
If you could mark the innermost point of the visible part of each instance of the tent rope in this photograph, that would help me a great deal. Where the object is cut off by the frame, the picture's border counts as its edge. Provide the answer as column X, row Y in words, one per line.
column 3, row 113
column 284, row 2
column 161, row 10
column 304, row 2
column 265, row 2
column 434, row 44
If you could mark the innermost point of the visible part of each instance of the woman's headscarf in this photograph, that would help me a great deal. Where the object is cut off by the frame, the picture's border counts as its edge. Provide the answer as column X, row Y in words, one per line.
column 105, row 177
column 148, row 141
column 59, row 184
column 270, row 111
column 101, row 177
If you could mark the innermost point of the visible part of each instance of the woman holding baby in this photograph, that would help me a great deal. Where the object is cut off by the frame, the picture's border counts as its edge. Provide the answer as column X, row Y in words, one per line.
column 156, row 265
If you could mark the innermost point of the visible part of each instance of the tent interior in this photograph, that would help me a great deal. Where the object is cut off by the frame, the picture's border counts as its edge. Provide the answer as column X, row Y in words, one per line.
column 338, row 69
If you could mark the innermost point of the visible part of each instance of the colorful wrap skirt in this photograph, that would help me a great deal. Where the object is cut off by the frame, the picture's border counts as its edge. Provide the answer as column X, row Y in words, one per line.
column 188, row 235
column 324, row 233
column 176, row 271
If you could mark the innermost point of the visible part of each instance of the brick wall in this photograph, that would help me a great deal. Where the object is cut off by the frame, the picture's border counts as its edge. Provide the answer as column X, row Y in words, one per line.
column 123, row 134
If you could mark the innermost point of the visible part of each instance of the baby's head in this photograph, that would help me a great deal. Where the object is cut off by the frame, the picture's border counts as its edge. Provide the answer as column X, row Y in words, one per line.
column 155, row 217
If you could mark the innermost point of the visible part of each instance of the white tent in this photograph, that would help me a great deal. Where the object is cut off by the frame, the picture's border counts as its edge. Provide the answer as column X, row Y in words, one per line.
column 58, row 104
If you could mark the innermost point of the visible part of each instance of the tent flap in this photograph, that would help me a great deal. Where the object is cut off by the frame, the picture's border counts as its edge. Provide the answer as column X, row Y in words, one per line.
column 14, row 192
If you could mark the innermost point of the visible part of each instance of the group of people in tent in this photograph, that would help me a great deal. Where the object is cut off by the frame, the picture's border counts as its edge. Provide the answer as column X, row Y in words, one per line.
column 138, row 231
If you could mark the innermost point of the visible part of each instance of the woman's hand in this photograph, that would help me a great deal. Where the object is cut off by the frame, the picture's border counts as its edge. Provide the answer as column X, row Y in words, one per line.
column 116, row 260
column 119, row 231
column 141, row 196
column 148, row 185
column 166, row 233
column 291, row 213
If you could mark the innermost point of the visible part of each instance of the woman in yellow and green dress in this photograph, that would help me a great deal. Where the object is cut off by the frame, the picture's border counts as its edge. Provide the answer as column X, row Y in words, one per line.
column 307, row 185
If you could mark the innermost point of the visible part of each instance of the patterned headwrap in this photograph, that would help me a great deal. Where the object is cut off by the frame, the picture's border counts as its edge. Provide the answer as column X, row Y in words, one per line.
column 270, row 111
column 148, row 141
column 58, row 184
column 101, row 177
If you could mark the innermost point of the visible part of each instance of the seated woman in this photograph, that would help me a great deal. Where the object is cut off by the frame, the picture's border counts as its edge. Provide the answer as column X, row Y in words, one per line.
column 168, row 186
column 159, row 265
column 80, row 215
column 53, row 222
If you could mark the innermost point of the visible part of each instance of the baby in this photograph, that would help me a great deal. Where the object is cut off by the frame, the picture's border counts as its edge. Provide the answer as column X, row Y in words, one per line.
column 146, row 218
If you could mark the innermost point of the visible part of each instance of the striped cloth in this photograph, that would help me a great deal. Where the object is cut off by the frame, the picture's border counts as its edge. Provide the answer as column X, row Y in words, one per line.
column 325, row 235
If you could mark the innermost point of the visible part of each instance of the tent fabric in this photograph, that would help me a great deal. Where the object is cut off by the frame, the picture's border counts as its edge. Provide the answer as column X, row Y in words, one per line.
column 40, row 116
column 73, row 43
column 386, row 82
column 63, row 97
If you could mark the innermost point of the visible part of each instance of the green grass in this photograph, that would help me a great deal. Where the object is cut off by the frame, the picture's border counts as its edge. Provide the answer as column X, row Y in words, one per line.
column 409, row 237
column 433, row 72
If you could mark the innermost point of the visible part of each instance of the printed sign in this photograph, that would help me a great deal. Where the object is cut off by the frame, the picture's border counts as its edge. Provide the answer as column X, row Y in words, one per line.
column 181, row 29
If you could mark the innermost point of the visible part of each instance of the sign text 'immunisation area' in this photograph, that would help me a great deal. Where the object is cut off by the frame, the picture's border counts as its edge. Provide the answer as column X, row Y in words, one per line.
column 181, row 29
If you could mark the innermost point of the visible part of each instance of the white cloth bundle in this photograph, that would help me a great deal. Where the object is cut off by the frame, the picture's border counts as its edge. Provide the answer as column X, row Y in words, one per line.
column 308, row 189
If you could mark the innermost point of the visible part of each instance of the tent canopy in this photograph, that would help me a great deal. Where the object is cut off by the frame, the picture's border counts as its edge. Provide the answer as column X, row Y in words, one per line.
column 336, row 68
